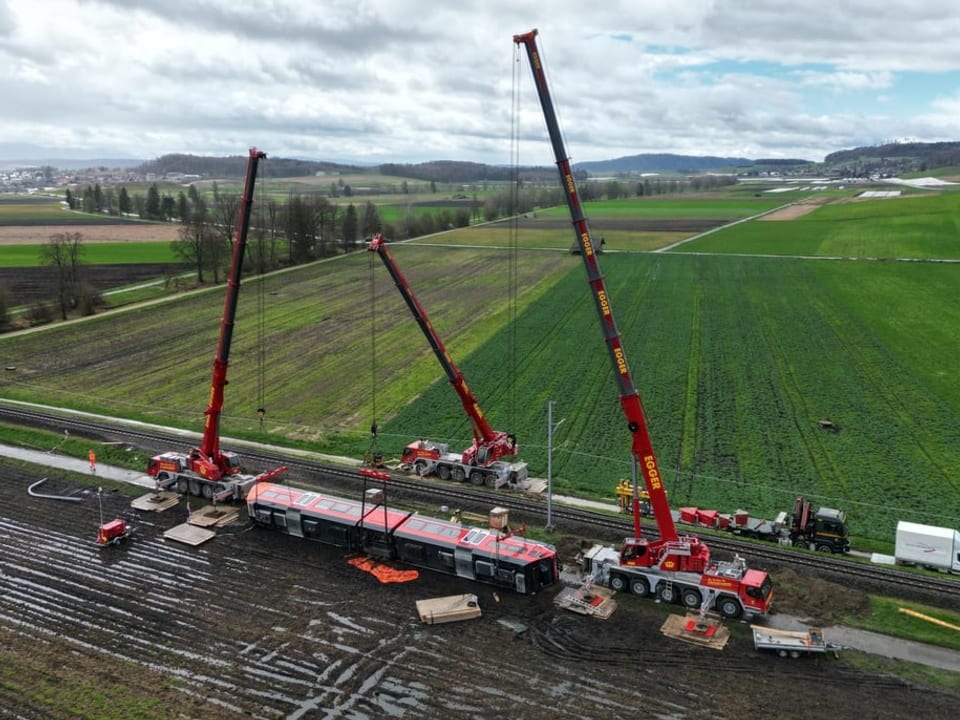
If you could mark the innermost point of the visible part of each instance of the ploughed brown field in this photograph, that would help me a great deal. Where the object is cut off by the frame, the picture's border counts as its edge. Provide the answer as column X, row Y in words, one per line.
column 26, row 286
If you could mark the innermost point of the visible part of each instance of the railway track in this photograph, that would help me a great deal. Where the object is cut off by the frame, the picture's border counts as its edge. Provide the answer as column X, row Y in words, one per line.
column 310, row 472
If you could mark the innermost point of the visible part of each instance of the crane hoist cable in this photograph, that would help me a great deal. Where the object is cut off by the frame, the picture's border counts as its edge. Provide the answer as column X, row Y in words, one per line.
column 373, row 456
column 514, row 243
column 261, row 307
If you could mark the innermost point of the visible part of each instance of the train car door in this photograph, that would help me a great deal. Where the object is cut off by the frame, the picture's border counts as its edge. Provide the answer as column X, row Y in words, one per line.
column 293, row 522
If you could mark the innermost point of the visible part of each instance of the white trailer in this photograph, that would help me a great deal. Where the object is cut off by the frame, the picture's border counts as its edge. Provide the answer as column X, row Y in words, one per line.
column 787, row 643
column 936, row 548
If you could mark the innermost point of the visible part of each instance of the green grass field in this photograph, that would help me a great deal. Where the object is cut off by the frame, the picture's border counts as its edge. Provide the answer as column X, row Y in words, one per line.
column 95, row 254
column 909, row 227
column 736, row 358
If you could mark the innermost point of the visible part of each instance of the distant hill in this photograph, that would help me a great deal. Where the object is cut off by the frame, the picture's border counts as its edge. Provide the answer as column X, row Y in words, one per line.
column 236, row 166
column 70, row 164
column 899, row 156
column 663, row 163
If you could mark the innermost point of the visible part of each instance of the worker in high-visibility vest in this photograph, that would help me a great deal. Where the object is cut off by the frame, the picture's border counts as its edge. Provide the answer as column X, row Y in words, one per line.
column 93, row 461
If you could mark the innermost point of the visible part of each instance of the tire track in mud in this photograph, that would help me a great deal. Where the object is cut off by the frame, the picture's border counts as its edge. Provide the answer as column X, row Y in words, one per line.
column 302, row 649
column 263, row 625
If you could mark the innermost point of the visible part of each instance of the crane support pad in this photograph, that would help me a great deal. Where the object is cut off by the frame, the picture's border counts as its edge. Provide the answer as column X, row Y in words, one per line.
column 211, row 516
column 189, row 534
column 705, row 632
column 594, row 601
column 156, row 501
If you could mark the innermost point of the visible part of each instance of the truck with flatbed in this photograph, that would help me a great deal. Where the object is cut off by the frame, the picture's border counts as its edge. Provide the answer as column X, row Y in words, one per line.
column 815, row 528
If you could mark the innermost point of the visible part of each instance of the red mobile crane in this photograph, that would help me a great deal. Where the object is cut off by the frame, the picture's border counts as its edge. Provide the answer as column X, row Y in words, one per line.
column 674, row 568
column 482, row 462
column 208, row 470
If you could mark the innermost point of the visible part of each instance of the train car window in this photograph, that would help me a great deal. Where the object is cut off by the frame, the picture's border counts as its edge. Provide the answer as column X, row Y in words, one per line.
column 263, row 515
column 475, row 536
column 413, row 551
column 279, row 518
column 484, row 568
column 446, row 558
column 310, row 527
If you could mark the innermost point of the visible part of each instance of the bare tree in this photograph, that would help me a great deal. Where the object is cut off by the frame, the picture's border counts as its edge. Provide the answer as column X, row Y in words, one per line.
column 301, row 229
column 62, row 253
column 193, row 240
column 225, row 210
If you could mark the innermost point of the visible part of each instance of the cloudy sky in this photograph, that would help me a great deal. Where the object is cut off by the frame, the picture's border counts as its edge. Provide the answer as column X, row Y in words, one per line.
column 371, row 81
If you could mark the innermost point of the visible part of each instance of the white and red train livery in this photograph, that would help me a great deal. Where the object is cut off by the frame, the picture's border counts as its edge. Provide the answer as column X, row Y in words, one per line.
column 481, row 554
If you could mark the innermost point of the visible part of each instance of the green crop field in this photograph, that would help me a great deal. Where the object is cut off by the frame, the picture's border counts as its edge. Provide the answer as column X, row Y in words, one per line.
column 908, row 227
column 737, row 359
column 50, row 212
column 133, row 253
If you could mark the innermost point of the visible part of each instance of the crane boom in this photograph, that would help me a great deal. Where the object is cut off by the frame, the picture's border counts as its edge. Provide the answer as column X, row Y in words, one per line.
column 642, row 447
column 489, row 445
column 210, row 445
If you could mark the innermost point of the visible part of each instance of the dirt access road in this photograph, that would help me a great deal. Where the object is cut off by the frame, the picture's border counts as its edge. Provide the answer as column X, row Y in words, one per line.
column 255, row 624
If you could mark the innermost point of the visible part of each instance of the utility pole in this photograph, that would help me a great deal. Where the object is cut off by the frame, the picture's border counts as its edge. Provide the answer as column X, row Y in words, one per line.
column 550, row 428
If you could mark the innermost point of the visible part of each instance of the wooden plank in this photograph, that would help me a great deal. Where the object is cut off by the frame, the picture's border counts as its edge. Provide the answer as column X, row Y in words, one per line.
column 189, row 534
column 211, row 516
column 156, row 501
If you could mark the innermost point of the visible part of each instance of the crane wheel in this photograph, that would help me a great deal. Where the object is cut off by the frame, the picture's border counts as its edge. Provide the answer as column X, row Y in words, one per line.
column 730, row 608
column 691, row 598
column 666, row 593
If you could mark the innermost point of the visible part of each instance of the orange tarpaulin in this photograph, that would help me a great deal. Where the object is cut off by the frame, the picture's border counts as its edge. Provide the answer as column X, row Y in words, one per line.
column 383, row 573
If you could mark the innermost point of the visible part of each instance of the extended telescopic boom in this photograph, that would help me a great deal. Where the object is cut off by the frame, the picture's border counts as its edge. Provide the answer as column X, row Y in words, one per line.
column 489, row 445
column 210, row 445
column 642, row 447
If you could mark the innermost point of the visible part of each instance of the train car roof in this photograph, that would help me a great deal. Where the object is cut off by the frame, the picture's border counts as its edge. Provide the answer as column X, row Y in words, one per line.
column 492, row 544
column 376, row 517
column 482, row 542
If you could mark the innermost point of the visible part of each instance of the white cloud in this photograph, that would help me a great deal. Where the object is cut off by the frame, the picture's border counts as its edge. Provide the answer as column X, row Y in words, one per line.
column 414, row 80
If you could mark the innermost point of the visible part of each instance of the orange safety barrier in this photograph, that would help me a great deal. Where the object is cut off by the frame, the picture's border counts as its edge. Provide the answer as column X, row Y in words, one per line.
column 383, row 573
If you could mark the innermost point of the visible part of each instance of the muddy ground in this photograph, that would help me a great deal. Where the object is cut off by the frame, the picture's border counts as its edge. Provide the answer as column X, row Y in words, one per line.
column 255, row 624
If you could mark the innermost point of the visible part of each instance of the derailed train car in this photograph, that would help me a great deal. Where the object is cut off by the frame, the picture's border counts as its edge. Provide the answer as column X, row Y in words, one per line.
column 484, row 555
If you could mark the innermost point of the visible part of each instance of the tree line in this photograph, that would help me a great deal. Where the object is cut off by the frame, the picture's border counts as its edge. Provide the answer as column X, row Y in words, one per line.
column 297, row 229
